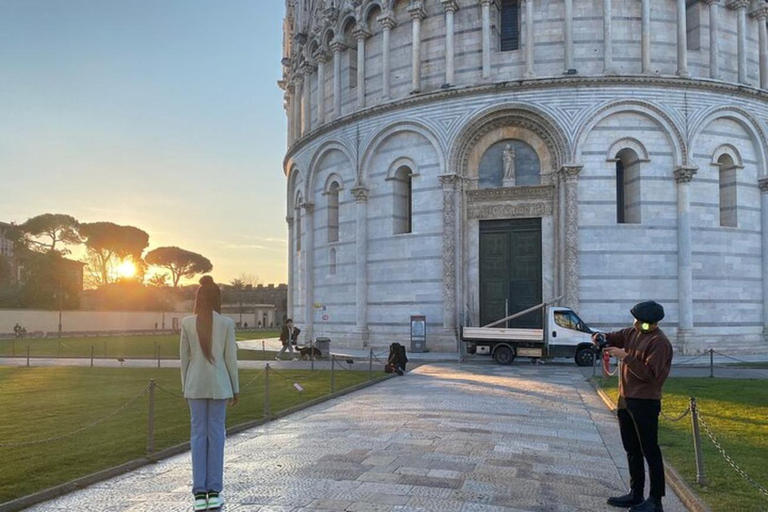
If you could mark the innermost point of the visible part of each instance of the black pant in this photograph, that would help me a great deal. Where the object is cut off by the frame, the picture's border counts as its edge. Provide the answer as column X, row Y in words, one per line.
column 639, row 424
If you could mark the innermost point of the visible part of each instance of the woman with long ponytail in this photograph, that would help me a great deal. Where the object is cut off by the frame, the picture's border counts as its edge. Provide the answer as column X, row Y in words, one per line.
column 209, row 380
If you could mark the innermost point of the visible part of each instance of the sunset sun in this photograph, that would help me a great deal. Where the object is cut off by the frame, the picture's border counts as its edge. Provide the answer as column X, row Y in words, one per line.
column 126, row 269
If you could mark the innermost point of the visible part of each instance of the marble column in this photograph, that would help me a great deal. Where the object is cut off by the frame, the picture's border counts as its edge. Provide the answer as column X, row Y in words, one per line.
column 646, row 36
column 299, row 98
column 291, row 266
column 306, row 123
column 682, row 41
column 292, row 117
column 714, row 51
column 387, row 20
column 741, row 15
column 570, row 177
column 361, row 263
column 361, row 33
column 568, row 36
column 486, row 13
column 763, row 183
column 450, row 6
column 337, row 46
column 308, row 249
column 760, row 15
column 683, row 177
column 449, row 183
column 417, row 12
column 321, row 57
column 607, row 37
column 529, row 58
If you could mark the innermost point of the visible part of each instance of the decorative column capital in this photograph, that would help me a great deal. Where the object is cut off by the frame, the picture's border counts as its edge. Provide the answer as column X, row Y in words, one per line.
column 361, row 32
column 289, row 220
column 738, row 5
column 761, row 13
column 338, row 45
column 570, row 172
column 307, row 69
column 387, row 19
column 763, row 184
column 290, row 87
column 309, row 208
column 711, row 2
column 489, row 2
column 360, row 193
column 685, row 173
column 450, row 5
column 449, row 181
column 320, row 55
column 417, row 12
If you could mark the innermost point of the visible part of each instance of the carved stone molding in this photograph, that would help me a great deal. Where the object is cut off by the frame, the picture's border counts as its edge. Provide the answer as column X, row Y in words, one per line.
column 320, row 55
column 761, row 13
column 511, row 194
column 360, row 193
column 361, row 31
column 738, row 4
column 449, row 180
column 684, row 174
column 338, row 46
column 289, row 221
column 416, row 10
column 763, row 184
column 308, row 207
column 570, row 172
column 450, row 5
column 497, row 211
column 387, row 19
column 449, row 248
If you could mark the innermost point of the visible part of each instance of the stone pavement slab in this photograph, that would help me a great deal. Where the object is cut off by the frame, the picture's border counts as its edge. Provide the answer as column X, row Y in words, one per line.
column 444, row 438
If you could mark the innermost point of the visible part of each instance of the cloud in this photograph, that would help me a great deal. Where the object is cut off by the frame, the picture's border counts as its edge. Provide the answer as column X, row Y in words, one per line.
column 266, row 239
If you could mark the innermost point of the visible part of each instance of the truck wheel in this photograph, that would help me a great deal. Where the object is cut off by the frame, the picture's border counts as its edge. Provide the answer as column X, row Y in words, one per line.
column 504, row 355
column 585, row 356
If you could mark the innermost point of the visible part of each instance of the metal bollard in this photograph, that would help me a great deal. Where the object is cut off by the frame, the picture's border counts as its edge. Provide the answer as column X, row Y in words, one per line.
column 151, row 418
column 91, row 356
column 370, row 365
column 711, row 363
column 158, row 356
column 312, row 355
column 266, row 392
column 700, row 477
column 27, row 356
column 263, row 347
column 333, row 373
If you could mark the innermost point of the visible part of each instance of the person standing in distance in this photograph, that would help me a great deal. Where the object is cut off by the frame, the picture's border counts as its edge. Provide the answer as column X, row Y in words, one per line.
column 646, row 356
column 287, row 337
column 209, row 379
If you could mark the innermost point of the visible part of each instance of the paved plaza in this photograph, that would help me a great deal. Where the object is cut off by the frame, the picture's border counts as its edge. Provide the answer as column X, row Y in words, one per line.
column 444, row 438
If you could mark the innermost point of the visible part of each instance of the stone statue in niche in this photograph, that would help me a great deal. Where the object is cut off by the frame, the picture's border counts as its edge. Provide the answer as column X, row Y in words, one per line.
column 508, row 158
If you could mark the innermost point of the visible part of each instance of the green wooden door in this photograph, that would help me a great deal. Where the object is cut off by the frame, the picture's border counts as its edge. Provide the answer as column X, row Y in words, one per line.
column 510, row 270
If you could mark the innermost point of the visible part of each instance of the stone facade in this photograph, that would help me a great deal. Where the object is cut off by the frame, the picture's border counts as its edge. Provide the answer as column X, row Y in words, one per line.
column 673, row 93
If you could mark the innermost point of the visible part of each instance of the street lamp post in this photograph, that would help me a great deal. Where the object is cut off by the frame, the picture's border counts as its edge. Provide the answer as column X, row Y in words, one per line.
column 61, row 294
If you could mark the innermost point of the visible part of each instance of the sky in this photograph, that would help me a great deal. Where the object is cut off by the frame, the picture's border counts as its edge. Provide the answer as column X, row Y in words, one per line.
column 161, row 114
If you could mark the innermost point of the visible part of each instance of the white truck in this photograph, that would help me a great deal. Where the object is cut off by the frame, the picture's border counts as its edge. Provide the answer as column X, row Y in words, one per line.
column 563, row 334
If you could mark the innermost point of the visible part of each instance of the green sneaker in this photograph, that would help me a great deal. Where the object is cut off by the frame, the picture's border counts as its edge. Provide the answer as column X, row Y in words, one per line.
column 201, row 501
column 214, row 501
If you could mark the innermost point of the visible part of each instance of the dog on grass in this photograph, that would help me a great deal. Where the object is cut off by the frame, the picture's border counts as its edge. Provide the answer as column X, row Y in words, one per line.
column 307, row 353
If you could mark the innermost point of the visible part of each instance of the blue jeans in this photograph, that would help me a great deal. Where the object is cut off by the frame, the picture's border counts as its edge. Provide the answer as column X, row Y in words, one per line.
column 207, row 442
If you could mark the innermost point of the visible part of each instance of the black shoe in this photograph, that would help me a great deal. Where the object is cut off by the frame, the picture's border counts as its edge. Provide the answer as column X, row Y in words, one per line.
column 625, row 501
column 649, row 505
column 399, row 371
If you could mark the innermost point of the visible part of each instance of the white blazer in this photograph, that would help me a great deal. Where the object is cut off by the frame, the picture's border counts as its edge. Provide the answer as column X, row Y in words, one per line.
column 200, row 378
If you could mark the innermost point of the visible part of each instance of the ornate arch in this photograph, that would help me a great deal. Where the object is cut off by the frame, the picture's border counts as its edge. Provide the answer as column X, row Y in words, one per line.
column 334, row 176
column 393, row 129
column 294, row 189
column 509, row 115
column 644, row 108
column 365, row 13
column 627, row 143
column 318, row 156
column 731, row 151
column 747, row 120
column 344, row 20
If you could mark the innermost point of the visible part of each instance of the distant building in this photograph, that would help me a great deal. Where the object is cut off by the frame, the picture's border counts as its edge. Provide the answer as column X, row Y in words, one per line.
column 261, row 306
column 6, row 245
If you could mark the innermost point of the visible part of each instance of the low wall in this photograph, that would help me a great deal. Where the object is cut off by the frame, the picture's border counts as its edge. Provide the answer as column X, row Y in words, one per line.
column 86, row 321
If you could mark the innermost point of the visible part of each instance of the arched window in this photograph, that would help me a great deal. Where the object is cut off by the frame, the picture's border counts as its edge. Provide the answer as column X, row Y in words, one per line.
column 332, row 262
column 510, row 25
column 627, row 187
column 403, row 200
column 332, row 206
column 509, row 163
column 728, row 208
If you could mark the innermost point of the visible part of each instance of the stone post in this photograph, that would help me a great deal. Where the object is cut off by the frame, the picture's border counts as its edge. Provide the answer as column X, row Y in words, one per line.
column 321, row 57
column 741, row 15
column 291, row 266
column 361, row 262
column 682, row 41
column 361, row 33
column 417, row 12
column 683, row 177
column 486, row 10
column 337, row 46
column 607, row 37
column 714, row 52
column 760, row 15
column 646, row 36
column 568, row 36
column 387, row 20
column 570, row 175
column 529, row 58
column 449, row 182
column 306, row 125
column 763, row 183
column 309, row 268
column 450, row 6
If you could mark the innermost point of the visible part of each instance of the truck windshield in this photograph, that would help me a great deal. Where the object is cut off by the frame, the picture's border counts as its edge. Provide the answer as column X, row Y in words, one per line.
column 569, row 320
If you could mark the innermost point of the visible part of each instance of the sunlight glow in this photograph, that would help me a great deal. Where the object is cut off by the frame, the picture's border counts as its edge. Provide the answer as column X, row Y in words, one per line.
column 126, row 270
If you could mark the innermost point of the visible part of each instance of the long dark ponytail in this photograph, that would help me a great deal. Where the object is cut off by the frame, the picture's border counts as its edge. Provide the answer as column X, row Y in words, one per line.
column 207, row 301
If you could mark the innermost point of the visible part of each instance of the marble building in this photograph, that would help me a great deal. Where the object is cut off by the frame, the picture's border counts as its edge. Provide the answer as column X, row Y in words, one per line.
column 459, row 159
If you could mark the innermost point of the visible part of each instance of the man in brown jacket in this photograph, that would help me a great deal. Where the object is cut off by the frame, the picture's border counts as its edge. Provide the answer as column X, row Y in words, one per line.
column 646, row 356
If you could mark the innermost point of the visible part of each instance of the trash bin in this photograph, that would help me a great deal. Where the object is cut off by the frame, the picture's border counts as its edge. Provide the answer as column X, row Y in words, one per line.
column 324, row 346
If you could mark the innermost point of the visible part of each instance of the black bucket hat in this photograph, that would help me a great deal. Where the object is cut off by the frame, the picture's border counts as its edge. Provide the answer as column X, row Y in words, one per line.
column 649, row 312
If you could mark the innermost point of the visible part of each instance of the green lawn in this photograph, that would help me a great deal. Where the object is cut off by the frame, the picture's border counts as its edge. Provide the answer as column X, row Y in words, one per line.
column 39, row 403
column 130, row 346
column 737, row 412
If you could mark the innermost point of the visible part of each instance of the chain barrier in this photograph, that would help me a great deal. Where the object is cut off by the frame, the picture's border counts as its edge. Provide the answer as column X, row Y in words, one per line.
column 80, row 430
column 254, row 379
column 687, row 361
column 729, row 460
column 682, row 415
column 172, row 393
column 731, row 358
